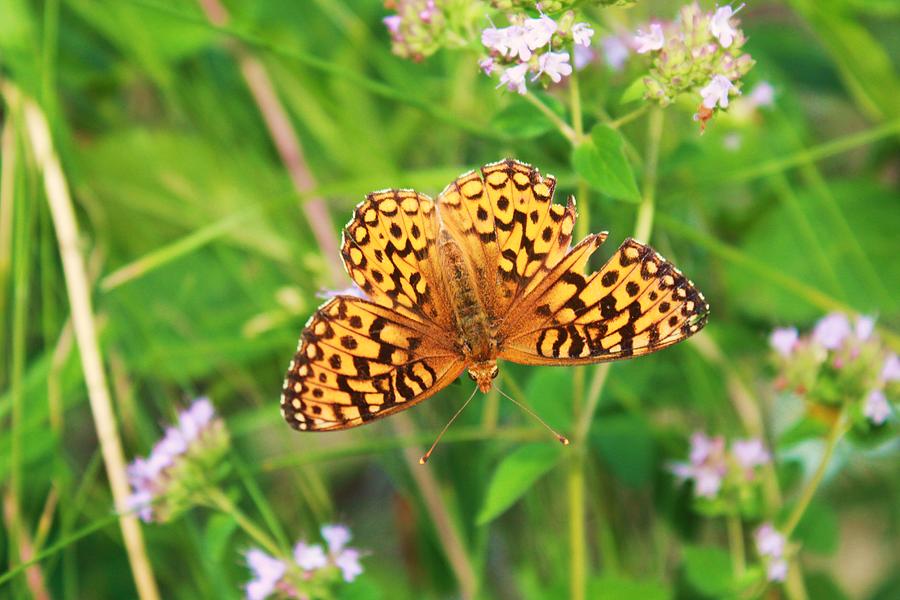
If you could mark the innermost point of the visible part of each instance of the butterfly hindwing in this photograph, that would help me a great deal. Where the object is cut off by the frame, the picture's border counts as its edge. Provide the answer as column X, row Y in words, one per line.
column 358, row 361
column 635, row 304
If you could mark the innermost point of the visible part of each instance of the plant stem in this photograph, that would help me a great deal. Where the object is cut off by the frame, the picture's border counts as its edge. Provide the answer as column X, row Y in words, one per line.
column 644, row 225
column 834, row 436
column 629, row 117
column 218, row 500
column 554, row 118
column 575, row 104
column 78, row 288
column 736, row 544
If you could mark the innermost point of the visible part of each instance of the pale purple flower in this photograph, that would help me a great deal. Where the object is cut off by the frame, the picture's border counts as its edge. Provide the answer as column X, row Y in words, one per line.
column 517, row 40
column 348, row 562
column 336, row 536
column 877, row 408
column 777, row 570
column 346, row 559
column 514, row 78
column 582, row 34
column 720, row 25
column 864, row 328
column 716, row 92
column 354, row 291
column 762, row 94
column 891, row 369
column 393, row 23
column 310, row 557
column 496, row 39
column 555, row 65
column 750, row 453
column 267, row 571
column 582, row 56
column 615, row 51
column 538, row 32
column 707, row 466
column 149, row 478
column 708, row 481
column 831, row 331
column 647, row 42
column 769, row 542
column 704, row 447
column 783, row 340
column 487, row 65
column 426, row 13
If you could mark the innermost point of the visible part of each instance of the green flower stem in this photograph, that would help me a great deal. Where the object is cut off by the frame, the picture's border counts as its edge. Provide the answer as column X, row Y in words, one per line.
column 736, row 544
column 575, row 105
column 216, row 498
column 631, row 116
column 644, row 225
column 564, row 128
column 834, row 437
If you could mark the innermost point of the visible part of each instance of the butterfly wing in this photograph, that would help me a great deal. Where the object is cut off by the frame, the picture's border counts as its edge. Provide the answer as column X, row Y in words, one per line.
column 358, row 361
column 637, row 303
column 509, row 228
column 389, row 250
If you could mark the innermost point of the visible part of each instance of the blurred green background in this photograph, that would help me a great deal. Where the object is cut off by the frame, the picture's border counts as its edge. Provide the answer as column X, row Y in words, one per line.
column 204, row 266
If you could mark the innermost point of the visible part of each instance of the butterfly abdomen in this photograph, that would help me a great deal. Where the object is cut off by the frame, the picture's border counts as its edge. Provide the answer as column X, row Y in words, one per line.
column 472, row 321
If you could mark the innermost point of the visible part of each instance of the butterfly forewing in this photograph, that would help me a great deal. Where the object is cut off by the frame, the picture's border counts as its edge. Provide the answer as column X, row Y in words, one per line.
column 359, row 361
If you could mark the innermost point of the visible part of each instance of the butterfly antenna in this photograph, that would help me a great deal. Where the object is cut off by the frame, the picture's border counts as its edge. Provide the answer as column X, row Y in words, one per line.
column 427, row 455
column 561, row 438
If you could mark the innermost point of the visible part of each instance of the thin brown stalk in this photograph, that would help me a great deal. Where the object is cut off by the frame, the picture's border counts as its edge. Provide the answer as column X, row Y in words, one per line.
column 66, row 226
column 437, row 510
column 286, row 141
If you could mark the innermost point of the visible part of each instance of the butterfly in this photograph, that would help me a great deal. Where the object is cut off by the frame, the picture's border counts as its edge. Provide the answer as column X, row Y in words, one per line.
column 485, row 272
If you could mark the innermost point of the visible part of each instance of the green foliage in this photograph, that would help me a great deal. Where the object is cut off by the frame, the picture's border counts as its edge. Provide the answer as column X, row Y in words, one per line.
column 601, row 162
column 514, row 476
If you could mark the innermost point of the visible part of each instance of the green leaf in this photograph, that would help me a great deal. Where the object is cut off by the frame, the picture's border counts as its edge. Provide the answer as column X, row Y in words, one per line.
column 219, row 529
column 549, row 394
column 601, row 162
column 523, row 120
column 817, row 531
column 626, row 445
column 635, row 91
column 708, row 570
column 822, row 586
column 515, row 475
column 611, row 587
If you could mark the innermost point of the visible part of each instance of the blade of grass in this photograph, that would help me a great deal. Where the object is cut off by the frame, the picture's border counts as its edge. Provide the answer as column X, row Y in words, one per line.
column 57, row 191
column 815, row 153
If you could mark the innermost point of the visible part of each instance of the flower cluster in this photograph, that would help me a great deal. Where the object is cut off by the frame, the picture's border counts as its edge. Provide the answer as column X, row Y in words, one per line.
column 700, row 53
column 840, row 363
column 416, row 29
column 536, row 47
column 188, row 458
column 311, row 571
column 717, row 472
column 770, row 544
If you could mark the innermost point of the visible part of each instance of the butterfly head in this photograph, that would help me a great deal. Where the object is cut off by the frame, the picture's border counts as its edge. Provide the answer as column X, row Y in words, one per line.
column 483, row 373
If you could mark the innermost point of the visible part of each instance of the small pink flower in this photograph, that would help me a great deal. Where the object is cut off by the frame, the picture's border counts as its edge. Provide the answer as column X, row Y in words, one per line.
column 346, row 559
column 647, row 42
column 708, row 481
column 891, row 369
column 864, row 327
column 348, row 562
column 762, row 94
column 487, row 65
column 393, row 23
column 877, row 408
column 582, row 56
column 720, row 26
column 267, row 571
column 514, row 78
column 615, row 52
column 750, row 453
column 336, row 536
column 777, row 570
column 495, row 39
column 555, row 65
column 518, row 41
column 783, row 340
column 582, row 34
column 831, row 331
column 769, row 542
column 538, row 32
column 310, row 557
column 716, row 92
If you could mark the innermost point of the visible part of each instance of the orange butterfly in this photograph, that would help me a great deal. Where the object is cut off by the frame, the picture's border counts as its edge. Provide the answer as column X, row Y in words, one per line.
column 483, row 273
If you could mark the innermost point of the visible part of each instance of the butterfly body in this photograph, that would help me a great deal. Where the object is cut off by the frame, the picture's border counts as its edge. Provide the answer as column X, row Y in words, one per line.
column 486, row 271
